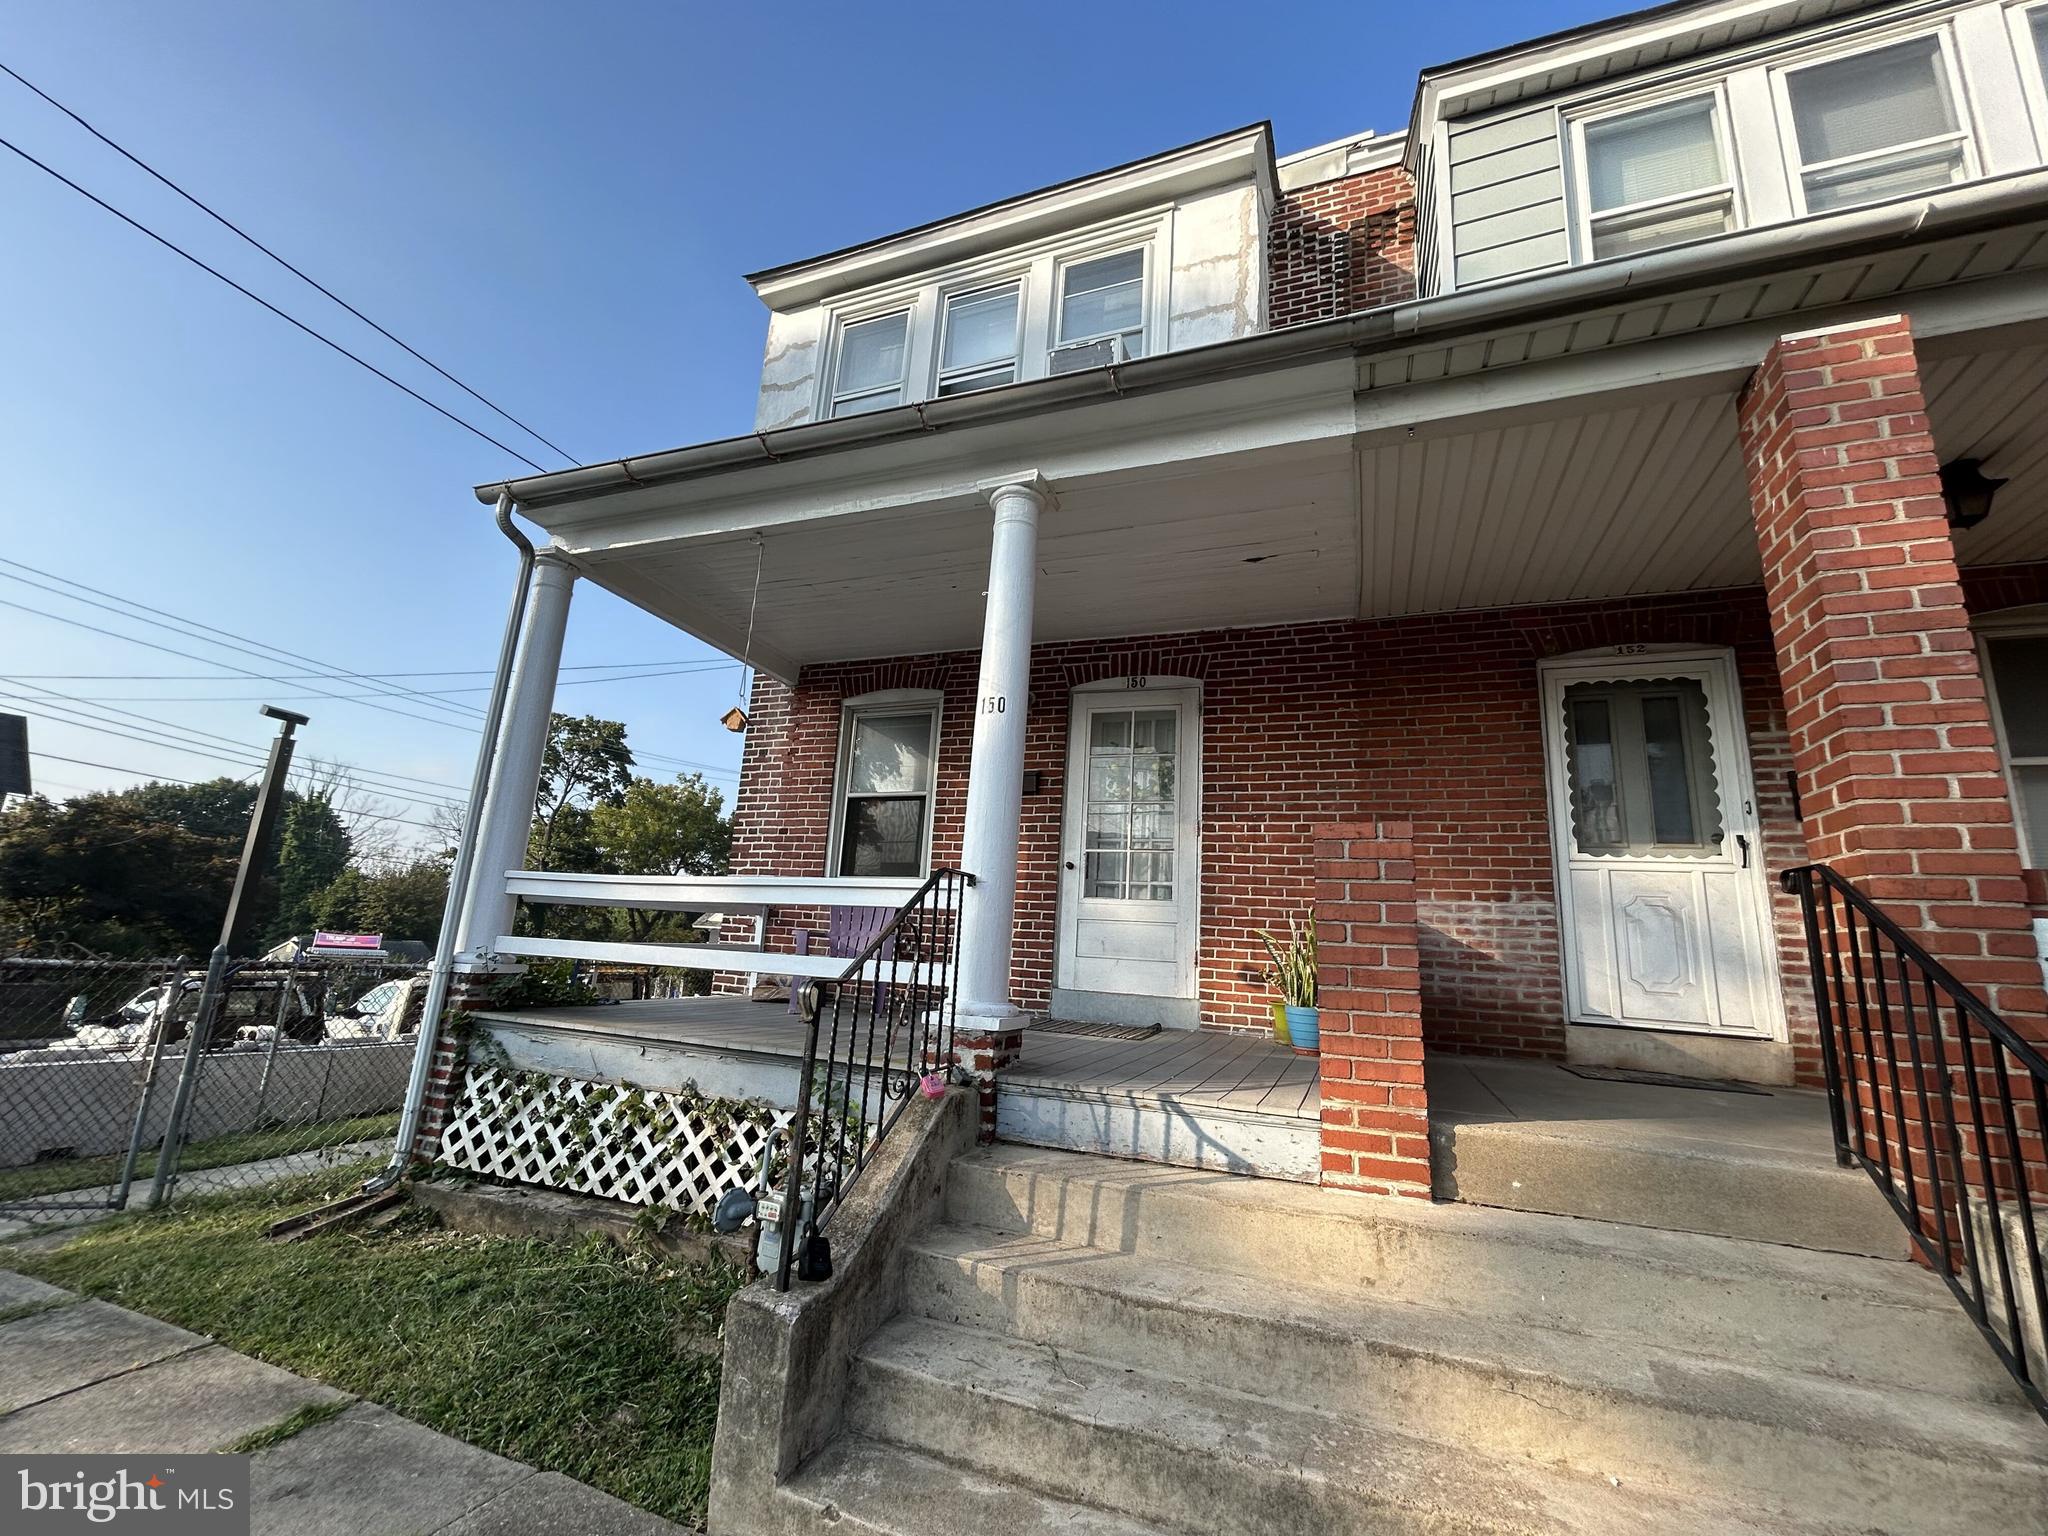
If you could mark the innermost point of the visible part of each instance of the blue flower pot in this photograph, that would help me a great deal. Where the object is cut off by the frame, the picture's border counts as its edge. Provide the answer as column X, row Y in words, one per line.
column 1304, row 1028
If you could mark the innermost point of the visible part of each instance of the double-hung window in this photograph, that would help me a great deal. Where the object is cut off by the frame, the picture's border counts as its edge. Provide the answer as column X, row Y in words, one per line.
column 873, row 364
column 884, row 811
column 2018, row 668
column 978, row 340
column 1101, row 298
column 1656, row 176
column 1876, row 125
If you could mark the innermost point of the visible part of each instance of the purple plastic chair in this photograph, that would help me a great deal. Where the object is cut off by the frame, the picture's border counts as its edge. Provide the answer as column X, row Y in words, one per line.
column 849, row 931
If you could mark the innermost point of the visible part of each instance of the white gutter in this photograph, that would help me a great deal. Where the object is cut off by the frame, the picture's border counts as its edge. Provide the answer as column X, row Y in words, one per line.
column 1993, row 202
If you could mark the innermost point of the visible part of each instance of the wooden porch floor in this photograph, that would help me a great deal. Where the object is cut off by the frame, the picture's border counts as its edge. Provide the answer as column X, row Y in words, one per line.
column 1250, row 1074
column 1201, row 1067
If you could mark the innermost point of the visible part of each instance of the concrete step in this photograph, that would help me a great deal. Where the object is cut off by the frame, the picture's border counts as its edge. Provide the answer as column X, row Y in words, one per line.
column 1792, row 1442
column 1859, row 1319
column 1680, row 1184
column 861, row 1485
column 1160, row 1128
column 1210, row 1462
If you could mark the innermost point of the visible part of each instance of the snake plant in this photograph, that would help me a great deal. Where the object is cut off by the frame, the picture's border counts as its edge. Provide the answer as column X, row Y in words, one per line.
column 1293, row 973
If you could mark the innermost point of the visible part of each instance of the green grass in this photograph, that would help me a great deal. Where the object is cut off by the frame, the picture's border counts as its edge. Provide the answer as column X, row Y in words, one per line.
column 54, row 1178
column 592, row 1362
column 285, row 1428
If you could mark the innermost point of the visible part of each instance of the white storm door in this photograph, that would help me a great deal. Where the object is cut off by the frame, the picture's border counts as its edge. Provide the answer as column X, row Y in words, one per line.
column 1129, row 862
column 1665, row 909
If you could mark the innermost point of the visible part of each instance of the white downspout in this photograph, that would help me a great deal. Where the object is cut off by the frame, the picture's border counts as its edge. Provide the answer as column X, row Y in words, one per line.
column 438, row 977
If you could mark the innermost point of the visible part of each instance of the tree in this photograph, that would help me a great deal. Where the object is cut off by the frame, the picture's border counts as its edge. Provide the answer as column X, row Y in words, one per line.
column 312, row 851
column 403, row 902
column 587, row 763
column 661, row 829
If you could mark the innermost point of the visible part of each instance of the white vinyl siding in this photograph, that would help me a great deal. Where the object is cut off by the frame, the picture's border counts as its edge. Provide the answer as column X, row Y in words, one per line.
column 1655, row 176
column 873, row 364
column 1876, row 125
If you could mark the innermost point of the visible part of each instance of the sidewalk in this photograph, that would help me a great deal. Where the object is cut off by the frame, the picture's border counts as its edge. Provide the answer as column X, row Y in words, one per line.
column 84, row 1376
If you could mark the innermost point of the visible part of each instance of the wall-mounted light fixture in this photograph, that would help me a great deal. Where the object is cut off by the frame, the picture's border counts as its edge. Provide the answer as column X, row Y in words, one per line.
column 1968, row 492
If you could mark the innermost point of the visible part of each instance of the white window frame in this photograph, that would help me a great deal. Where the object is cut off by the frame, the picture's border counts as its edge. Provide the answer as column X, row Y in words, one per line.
column 2028, row 623
column 1964, row 133
column 1016, row 281
column 1580, row 170
column 1070, row 259
column 834, row 395
column 890, row 701
column 2019, row 20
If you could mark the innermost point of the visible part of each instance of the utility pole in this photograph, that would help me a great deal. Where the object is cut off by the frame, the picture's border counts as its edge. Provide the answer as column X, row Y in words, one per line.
column 233, row 930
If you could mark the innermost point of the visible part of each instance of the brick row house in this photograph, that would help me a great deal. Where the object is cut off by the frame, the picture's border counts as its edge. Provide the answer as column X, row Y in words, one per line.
column 1508, row 544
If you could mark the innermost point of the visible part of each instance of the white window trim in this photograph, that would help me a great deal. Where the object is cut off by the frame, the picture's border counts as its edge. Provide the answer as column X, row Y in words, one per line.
column 1146, row 285
column 2020, row 623
column 1578, row 170
column 1964, row 133
column 834, row 396
column 1035, row 267
column 968, row 290
column 2019, row 20
column 888, row 701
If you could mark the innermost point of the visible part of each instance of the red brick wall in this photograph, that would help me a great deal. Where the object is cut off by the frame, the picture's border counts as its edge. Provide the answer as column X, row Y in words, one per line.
column 1903, row 790
column 1375, row 1104
column 1430, row 720
column 1342, row 245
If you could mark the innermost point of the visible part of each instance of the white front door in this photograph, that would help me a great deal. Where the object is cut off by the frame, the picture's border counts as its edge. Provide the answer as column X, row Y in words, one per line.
column 1664, row 906
column 1130, row 861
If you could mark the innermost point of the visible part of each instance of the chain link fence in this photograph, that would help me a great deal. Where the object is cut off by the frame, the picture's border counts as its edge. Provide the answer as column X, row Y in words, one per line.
column 108, row 1102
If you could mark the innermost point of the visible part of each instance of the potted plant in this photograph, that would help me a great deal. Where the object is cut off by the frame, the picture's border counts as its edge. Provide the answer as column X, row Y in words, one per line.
column 1293, row 976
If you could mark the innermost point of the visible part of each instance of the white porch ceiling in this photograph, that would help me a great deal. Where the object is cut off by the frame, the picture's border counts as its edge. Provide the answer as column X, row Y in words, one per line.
column 1636, row 492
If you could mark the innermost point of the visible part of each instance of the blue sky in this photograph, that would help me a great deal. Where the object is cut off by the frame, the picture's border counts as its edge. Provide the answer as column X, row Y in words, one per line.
column 556, row 203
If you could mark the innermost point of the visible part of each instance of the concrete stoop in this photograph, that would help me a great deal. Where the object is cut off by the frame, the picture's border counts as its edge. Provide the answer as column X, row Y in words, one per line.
column 1110, row 1349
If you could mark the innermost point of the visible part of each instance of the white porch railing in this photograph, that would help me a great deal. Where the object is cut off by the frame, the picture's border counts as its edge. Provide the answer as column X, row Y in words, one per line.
column 730, row 896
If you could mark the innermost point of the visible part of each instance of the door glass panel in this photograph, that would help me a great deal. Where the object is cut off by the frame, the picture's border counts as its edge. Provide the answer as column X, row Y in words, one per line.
column 1640, row 769
column 1132, row 824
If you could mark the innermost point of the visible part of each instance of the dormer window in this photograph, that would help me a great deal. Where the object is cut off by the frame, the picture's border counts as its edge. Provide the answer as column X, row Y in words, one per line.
column 978, row 339
column 1101, row 298
column 874, row 363
column 1654, row 177
column 1876, row 125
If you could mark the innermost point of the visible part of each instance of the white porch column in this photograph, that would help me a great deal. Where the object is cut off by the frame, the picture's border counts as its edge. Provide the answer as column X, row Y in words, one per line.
column 515, row 771
column 995, row 778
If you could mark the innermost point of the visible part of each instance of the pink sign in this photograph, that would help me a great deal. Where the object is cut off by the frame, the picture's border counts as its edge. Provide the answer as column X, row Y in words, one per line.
column 348, row 941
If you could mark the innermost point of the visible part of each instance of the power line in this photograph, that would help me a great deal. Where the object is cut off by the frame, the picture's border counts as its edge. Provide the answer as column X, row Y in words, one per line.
column 209, row 677
column 256, row 298
column 250, row 698
column 165, row 778
column 98, row 710
column 228, row 224
column 195, row 629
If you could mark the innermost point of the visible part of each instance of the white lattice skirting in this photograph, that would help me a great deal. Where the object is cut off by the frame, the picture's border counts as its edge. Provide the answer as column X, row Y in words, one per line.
column 635, row 1145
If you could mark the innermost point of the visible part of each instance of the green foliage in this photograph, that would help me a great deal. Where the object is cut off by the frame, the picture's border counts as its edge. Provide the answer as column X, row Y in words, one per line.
column 404, row 902
column 546, row 984
column 285, row 1428
column 585, row 1360
column 1293, row 972
column 312, row 852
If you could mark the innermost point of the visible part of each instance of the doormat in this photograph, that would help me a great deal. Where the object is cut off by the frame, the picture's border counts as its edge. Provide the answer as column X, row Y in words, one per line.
column 1099, row 1031
column 1666, row 1080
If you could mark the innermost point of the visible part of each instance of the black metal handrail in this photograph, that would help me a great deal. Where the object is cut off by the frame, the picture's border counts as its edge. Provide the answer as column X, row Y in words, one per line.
column 891, row 1027
column 1945, row 1106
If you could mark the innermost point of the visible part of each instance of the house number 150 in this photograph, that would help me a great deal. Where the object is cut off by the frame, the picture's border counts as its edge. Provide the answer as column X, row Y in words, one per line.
column 994, row 704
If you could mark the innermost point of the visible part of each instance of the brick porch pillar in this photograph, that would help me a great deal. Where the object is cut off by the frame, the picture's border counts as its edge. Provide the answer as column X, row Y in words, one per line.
column 1899, row 779
column 1375, row 1107
column 467, row 990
